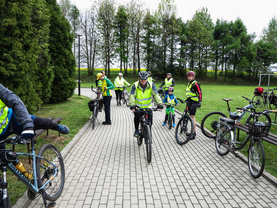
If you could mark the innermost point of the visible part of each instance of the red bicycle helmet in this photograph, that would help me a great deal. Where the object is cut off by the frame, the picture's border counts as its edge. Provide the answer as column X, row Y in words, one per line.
column 190, row 73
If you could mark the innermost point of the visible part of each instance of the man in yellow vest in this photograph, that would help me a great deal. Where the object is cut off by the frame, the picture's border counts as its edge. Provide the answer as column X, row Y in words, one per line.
column 15, row 119
column 107, row 85
column 119, row 83
column 194, row 97
column 168, row 82
column 141, row 96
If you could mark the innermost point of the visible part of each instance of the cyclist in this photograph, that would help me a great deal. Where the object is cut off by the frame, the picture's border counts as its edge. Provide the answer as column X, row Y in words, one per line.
column 15, row 119
column 150, row 78
column 119, row 83
column 168, row 100
column 99, row 83
column 107, row 85
column 194, row 97
column 168, row 82
column 141, row 96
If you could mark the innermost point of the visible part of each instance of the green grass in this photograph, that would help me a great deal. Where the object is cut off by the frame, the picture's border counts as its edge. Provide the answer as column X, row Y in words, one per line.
column 75, row 114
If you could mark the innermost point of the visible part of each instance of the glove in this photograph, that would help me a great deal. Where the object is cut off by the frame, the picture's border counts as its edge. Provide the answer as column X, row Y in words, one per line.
column 27, row 134
column 132, row 107
column 129, row 86
column 199, row 105
column 160, row 107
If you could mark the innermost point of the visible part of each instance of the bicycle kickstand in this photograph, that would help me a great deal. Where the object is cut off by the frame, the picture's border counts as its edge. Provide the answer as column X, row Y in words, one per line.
column 51, row 204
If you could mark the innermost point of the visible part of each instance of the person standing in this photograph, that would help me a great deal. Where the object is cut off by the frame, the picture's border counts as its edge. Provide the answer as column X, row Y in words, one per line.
column 169, row 100
column 119, row 83
column 107, row 85
column 194, row 97
column 141, row 96
column 168, row 82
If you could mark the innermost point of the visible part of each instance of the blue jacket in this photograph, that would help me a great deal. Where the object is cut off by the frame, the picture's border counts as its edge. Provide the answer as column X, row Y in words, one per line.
column 171, row 97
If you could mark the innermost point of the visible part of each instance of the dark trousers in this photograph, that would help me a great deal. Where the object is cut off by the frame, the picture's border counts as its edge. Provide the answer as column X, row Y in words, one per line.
column 137, row 116
column 118, row 94
column 107, row 104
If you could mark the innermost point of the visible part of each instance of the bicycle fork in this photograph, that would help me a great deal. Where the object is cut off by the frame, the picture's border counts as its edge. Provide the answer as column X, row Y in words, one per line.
column 4, row 186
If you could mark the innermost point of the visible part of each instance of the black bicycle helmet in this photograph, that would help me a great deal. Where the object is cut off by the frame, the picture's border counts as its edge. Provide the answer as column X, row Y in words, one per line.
column 143, row 75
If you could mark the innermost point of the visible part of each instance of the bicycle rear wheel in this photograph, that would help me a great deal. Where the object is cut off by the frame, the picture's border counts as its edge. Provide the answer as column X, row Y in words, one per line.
column 209, row 123
column 148, row 143
column 94, row 116
column 123, row 96
column 223, row 136
column 256, row 158
column 170, row 120
column 184, row 130
column 259, row 101
column 46, row 170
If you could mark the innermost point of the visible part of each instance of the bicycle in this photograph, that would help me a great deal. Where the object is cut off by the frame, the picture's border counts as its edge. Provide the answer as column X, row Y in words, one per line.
column 185, row 126
column 259, row 124
column 145, row 130
column 95, row 105
column 161, row 92
column 170, row 108
column 210, row 121
column 48, row 172
column 125, row 96
column 263, row 98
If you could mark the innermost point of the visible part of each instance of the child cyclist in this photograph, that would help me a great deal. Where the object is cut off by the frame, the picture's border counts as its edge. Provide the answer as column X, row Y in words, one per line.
column 170, row 100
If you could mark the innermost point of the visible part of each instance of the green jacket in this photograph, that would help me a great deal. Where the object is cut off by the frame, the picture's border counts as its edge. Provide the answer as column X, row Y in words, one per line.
column 107, row 83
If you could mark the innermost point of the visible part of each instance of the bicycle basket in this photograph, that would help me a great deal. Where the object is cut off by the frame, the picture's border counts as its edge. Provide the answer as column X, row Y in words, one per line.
column 258, row 128
column 91, row 104
column 259, row 91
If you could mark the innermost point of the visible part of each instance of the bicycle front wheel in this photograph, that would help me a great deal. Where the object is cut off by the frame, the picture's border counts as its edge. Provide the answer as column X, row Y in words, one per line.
column 272, row 103
column 94, row 116
column 259, row 101
column 148, row 143
column 184, row 130
column 209, row 123
column 223, row 137
column 45, row 171
column 256, row 158
column 4, row 202
column 170, row 120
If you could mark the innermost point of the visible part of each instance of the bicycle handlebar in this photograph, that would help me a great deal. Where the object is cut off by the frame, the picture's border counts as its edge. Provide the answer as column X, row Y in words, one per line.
column 14, row 140
column 94, row 90
column 182, row 101
column 146, row 109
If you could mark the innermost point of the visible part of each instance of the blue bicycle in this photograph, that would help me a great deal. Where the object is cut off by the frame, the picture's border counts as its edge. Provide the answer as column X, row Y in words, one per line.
column 47, row 178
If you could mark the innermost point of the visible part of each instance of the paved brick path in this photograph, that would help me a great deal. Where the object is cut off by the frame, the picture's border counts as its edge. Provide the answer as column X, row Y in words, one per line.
column 106, row 168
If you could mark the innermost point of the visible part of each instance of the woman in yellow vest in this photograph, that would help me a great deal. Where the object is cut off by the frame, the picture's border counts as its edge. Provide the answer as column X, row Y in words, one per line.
column 141, row 96
column 168, row 82
column 119, row 83
column 15, row 119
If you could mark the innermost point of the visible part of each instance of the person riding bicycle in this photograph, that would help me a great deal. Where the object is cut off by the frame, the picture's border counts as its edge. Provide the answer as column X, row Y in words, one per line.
column 168, row 82
column 170, row 99
column 15, row 119
column 141, row 96
column 107, row 85
column 150, row 78
column 119, row 83
column 194, row 97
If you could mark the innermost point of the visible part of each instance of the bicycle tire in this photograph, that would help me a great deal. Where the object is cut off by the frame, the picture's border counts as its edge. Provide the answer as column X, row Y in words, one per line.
column 259, row 101
column 94, row 116
column 170, row 120
column 184, row 130
column 44, row 171
column 140, row 137
column 148, row 143
column 8, row 200
column 272, row 103
column 256, row 158
column 209, row 123
column 265, row 118
column 127, row 99
column 123, row 100
column 223, row 136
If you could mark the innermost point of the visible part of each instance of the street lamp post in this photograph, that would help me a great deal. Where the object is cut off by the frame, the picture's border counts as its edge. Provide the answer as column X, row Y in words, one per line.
column 79, row 81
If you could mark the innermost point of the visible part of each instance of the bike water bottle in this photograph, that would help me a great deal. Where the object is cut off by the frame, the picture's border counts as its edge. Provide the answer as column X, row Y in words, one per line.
column 18, row 164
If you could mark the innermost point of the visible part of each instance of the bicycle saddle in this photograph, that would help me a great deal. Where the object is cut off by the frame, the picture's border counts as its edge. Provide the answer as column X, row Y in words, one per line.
column 227, row 100
column 227, row 120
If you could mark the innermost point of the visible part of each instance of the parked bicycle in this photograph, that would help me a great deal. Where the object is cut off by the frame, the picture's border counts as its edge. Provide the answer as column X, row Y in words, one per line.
column 95, row 105
column 259, row 124
column 185, row 126
column 125, row 96
column 210, row 121
column 264, row 98
column 47, row 178
column 145, row 130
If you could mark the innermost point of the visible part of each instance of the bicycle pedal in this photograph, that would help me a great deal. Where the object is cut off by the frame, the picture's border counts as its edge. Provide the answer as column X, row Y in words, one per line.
column 51, row 204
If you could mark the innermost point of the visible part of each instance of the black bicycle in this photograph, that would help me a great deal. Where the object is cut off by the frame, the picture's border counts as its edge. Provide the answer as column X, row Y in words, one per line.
column 264, row 98
column 95, row 105
column 145, row 130
column 185, row 126
column 47, row 177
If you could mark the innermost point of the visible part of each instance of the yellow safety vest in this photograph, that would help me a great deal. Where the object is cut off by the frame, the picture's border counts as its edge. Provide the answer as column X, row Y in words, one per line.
column 119, row 82
column 191, row 95
column 167, row 83
column 170, row 101
column 4, row 120
column 143, row 98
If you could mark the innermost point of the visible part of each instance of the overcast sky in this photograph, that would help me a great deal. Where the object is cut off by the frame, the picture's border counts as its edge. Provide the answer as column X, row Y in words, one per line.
column 254, row 14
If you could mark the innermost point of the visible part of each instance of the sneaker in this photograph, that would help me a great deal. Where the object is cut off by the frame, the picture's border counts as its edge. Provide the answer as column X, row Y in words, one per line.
column 63, row 129
column 193, row 136
column 136, row 134
column 106, row 123
column 164, row 124
column 173, row 125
